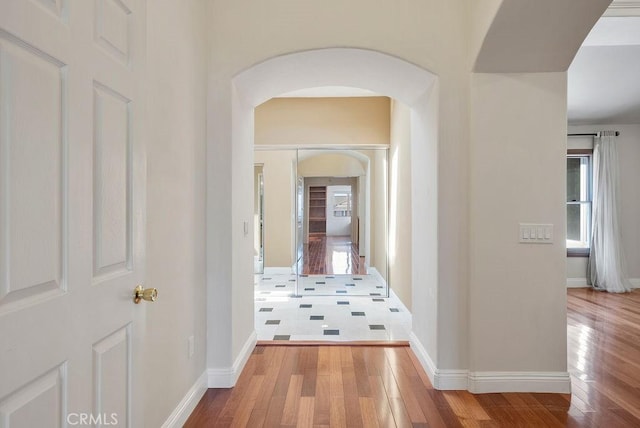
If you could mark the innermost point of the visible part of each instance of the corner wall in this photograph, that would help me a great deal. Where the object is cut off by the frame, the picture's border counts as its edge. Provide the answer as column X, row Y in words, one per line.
column 176, row 126
column 400, row 237
column 517, row 294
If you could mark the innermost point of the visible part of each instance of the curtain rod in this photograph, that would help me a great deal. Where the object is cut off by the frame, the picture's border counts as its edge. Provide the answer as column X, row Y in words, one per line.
column 592, row 134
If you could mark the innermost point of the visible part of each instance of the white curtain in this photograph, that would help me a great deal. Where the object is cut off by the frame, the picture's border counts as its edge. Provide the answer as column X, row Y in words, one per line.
column 606, row 261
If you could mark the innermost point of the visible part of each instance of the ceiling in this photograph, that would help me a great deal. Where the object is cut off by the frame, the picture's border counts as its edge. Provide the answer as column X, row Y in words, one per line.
column 604, row 77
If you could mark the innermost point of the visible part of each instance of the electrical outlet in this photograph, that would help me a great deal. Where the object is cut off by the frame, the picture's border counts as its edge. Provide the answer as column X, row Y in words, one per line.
column 191, row 346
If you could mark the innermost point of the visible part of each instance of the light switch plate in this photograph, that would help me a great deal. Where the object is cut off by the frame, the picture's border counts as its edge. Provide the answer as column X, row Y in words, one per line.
column 535, row 233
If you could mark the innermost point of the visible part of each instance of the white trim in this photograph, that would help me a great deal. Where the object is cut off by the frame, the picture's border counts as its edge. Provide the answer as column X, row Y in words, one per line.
column 576, row 282
column 487, row 382
column 440, row 379
column 183, row 410
column 423, row 356
column 226, row 377
column 582, row 282
column 278, row 271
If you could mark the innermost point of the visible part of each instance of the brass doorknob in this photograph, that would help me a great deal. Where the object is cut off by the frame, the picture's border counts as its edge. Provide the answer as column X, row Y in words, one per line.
column 149, row 294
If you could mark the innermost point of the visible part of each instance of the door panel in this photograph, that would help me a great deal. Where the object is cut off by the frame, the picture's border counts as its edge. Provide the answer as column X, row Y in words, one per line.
column 72, row 218
column 112, row 214
column 31, row 193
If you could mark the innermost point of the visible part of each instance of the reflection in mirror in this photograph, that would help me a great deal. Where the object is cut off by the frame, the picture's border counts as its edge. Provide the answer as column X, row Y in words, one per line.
column 341, row 231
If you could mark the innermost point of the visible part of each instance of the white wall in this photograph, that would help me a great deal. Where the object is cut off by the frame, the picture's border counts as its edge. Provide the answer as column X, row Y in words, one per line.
column 400, row 203
column 517, row 290
column 176, row 107
column 628, row 144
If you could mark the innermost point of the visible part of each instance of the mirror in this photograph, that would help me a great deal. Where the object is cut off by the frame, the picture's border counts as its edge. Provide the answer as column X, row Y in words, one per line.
column 341, row 212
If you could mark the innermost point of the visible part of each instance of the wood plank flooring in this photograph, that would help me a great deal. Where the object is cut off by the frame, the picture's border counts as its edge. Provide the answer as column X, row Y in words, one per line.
column 328, row 255
column 368, row 386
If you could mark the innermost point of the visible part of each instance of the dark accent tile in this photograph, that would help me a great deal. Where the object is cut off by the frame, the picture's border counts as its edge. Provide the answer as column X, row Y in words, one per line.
column 378, row 300
column 292, row 280
column 343, row 302
column 379, row 286
column 316, row 317
column 394, row 309
column 282, row 337
column 303, row 275
column 357, row 279
column 376, row 327
column 266, row 309
column 293, row 296
column 280, row 285
column 357, row 314
column 331, row 332
column 266, row 279
column 329, row 277
column 309, row 289
column 349, row 285
column 272, row 322
column 375, row 294
column 306, row 305
column 341, row 291
column 320, row 282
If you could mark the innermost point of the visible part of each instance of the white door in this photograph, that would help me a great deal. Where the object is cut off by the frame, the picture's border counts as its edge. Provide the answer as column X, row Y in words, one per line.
column 72, row 217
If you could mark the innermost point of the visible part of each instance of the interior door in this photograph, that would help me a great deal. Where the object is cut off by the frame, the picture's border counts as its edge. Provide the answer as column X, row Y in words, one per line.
column 72, row 171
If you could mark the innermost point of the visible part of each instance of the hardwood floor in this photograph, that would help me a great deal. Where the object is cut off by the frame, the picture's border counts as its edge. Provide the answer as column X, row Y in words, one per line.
column 367, row 386
column 328, row 255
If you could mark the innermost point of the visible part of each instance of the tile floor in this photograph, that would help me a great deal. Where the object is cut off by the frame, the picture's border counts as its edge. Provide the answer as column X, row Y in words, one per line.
column 280, row 315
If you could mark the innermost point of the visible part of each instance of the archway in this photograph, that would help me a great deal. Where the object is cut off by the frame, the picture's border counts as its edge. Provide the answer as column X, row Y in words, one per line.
column 370, row 70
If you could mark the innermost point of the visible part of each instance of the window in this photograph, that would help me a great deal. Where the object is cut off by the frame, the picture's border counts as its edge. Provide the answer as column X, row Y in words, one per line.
column 342, row 204
column 578, row 203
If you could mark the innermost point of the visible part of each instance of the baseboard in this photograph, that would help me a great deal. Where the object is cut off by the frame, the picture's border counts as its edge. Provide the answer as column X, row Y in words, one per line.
column 423, row 356
column 227, row 377
column 440, row 379
column 577, row 282
column 278, row 271
column 489, row 382
column 486, row 382
column 181, row 413
column 582, row 282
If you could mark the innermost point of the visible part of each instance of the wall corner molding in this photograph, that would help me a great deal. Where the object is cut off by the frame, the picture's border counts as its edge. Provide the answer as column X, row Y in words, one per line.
column 440, row 379
column 183, row 410
column 226, row 377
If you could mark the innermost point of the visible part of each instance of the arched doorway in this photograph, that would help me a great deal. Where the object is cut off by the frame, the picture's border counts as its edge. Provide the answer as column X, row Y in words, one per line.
column 385, row 75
